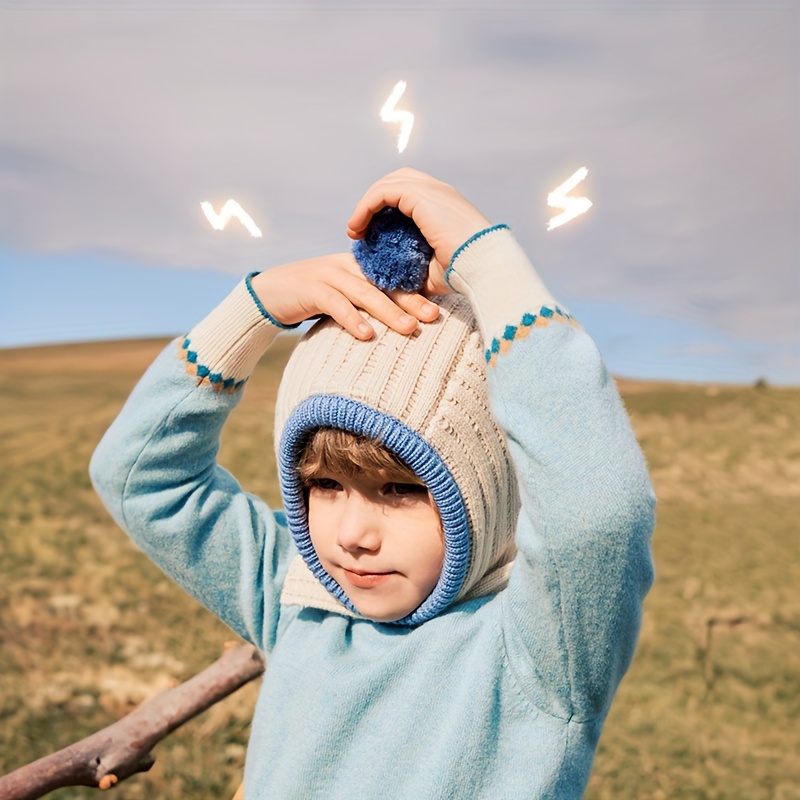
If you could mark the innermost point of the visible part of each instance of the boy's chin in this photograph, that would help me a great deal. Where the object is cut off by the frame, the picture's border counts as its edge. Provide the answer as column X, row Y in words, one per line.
column 375, row 613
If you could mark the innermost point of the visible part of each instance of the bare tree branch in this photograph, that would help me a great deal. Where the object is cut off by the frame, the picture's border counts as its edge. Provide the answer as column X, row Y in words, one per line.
column 123, row 748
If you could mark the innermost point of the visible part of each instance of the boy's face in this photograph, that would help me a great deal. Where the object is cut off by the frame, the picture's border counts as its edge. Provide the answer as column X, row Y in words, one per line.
column 381, row 541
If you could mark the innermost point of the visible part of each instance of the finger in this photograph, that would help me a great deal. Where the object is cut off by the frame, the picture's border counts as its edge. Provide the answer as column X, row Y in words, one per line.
column 415, row 304
column 389, row 191
column 340, row 308
column 412, row 303
column 361, row 293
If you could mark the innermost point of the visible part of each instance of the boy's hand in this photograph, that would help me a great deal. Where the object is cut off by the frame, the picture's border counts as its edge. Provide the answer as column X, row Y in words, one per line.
column 445, row 218
column 334, row 285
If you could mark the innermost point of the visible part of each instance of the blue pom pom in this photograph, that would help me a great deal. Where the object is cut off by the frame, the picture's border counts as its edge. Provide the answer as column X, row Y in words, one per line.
column 393, row 253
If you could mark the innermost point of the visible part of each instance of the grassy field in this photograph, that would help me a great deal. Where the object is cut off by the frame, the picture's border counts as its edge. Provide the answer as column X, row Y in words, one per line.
column 88, row 628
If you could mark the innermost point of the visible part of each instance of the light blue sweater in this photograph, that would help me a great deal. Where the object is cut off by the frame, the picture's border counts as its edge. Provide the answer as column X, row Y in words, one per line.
column 499, row 697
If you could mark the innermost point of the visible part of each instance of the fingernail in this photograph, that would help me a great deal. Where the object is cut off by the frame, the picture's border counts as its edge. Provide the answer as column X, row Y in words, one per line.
column 406, row 319
column 364, row 328
column 428, row 308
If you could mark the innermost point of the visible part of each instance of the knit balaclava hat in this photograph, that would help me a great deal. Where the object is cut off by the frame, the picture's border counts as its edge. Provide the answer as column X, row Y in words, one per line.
column 424, row 397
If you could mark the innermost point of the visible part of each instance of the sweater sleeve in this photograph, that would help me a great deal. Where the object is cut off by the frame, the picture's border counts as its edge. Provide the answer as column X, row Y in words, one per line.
column 572, row 610
column 156, row 472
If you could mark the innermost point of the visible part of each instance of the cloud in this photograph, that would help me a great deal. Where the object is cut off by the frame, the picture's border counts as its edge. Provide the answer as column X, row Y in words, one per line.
column 117, row 122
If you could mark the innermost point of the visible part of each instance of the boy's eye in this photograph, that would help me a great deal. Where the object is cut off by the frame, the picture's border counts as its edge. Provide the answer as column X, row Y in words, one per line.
column 325, row 484
column 405, row 489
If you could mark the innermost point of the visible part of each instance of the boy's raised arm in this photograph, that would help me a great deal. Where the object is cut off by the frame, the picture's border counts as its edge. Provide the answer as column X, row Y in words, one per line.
column 156, row 469
column 572, row 609
column 583, row 566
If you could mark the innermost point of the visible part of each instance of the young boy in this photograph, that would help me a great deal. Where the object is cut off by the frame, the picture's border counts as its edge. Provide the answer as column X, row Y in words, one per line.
column 453, row 592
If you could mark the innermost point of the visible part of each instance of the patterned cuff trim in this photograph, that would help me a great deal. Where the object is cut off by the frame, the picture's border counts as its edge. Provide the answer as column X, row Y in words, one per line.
column 203, row 374
column 475, row 236
column 260, row 305
column 545, row 316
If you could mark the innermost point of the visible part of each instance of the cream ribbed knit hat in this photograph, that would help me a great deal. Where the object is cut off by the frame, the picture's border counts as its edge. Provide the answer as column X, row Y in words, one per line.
column 424, row 397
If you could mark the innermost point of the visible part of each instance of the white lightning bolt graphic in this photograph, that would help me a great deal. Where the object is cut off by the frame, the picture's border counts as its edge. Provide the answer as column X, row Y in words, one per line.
column 573, row 206
column 390, row 114
column 230, row 209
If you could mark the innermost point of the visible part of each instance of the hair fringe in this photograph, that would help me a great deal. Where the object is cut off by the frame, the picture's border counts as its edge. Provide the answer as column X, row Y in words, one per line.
column 339, row 452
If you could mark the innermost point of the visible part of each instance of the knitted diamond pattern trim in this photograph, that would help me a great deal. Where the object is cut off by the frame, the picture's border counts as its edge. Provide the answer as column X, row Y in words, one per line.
column 545, row 317
column 203, row 374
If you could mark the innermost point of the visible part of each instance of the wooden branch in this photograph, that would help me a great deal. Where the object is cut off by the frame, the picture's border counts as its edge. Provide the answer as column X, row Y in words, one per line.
column 123, row 748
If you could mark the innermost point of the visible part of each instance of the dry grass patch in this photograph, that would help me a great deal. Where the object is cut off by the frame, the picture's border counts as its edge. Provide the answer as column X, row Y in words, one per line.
column 88, row 627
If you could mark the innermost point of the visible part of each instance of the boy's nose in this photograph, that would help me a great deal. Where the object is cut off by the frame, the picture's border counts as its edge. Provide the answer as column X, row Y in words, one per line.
column 358, row 528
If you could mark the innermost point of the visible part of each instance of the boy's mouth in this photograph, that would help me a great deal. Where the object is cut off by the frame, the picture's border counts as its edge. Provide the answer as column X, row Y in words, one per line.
column 365, row 580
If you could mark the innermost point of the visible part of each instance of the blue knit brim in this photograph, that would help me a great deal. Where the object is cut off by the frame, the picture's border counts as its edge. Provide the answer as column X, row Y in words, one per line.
column 334, row 411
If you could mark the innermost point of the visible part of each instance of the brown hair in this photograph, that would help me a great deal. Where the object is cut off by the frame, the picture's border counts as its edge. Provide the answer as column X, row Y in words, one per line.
column 336, row 451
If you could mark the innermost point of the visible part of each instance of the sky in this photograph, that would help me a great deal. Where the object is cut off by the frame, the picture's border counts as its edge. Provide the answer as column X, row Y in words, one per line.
column 117, row 119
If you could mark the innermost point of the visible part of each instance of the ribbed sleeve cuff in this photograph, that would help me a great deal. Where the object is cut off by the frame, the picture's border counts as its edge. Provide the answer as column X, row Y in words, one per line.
column 492, row 270
column 504, row 289
column 223, row 349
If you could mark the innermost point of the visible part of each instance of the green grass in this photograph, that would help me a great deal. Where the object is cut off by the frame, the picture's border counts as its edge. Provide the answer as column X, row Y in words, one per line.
column 89, row 628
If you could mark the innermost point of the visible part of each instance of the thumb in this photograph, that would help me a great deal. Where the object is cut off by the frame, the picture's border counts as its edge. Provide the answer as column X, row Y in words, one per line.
column 435, row 282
